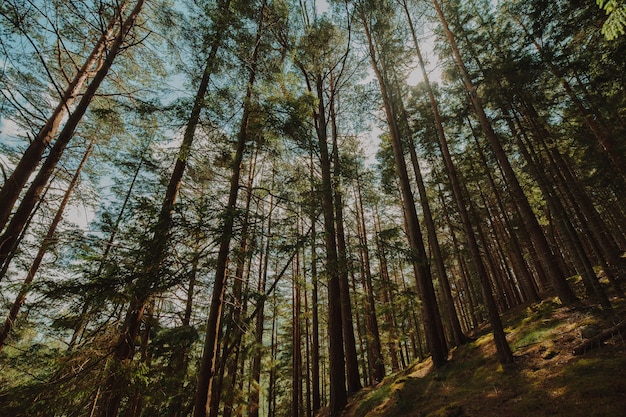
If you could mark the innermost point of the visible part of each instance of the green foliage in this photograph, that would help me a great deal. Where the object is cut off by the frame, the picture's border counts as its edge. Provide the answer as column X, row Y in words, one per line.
column 616, row 18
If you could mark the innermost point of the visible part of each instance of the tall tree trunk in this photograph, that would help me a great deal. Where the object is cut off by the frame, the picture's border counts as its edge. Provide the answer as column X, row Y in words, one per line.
column 375, row 358
column 233, row 334
column 446, row 291
column 48, row 240
column 566, row 229
column 338, row 394
column 254, row 400
column 19, row 219
column 124, row 349
column 352, row 362
column 432, row 320
column 387, row 299
column 602, row 135
column 555, row 275
column 504, row 352
column 272, row 397
column 206, row 371
column 296, row 341
column 28, row 163
column 83, row 319
column 315, row 348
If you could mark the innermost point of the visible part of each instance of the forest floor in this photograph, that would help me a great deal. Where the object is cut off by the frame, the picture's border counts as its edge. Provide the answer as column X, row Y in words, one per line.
column 547, row 379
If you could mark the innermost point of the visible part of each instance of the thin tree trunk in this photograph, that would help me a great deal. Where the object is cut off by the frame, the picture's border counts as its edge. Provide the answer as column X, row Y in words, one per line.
column 432, row 320
column 48, row 240
column 82, row 322
column 272, row 397
column 233, row 334
column 19, row 219
column 446, row 291
column 516, row 252
column 254, row 400
column 455, row 327
column 28, row 163
column 206, row 372
column 601, row 134
column 375, row 358
column 386, row 298
column 555, row 275
column 315, row 351
column 296, row 340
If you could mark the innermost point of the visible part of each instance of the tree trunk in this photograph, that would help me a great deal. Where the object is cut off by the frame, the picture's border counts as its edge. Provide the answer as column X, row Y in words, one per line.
column 233, row 334
column 28, row 163
column 352, row 362
column 375, row 358
column 48, row 240
column 602, row 136
column 338, row 394
column 387, row 299
column 432, row 321
column 15, row 226
column 254, row 400
column 555, row 275
column 82, row 322
column 206, row 372
column 315, row 348
column 296, row 342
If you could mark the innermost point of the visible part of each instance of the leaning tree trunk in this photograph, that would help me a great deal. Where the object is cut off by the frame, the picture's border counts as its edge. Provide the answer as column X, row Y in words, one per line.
column 45, row 244
column 432, row 320
column 124, row 348
column 600, row 132
column 548, row 259
column 28, row 163
column 232, row 339
column 206, row 372
column 19, row 219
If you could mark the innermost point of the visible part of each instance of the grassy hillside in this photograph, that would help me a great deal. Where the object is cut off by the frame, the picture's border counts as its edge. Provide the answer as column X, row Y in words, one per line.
column 546, row 379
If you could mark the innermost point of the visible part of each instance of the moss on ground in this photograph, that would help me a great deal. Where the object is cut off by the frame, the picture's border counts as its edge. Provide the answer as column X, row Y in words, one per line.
column 546, row 379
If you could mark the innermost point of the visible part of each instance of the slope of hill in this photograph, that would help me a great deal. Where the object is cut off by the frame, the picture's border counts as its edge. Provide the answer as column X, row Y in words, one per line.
column 547, row 379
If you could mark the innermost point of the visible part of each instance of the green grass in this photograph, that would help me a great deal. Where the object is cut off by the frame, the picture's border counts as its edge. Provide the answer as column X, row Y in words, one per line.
column 545, row 380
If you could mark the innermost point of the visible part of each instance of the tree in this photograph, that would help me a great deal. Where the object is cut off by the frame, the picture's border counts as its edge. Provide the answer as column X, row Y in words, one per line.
column 432, row 320
column 206, row 373
column 545, row 252
column 616, row 18
column 27, row 164
column 12, row 231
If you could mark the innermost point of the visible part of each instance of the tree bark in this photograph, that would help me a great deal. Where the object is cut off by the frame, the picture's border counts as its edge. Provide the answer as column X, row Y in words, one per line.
column 48, row 240
column 564, row 292
column 19, row 219
column 28, row 163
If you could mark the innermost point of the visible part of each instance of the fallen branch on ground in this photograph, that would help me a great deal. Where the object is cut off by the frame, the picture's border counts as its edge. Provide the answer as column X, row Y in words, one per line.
column 596, row 341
